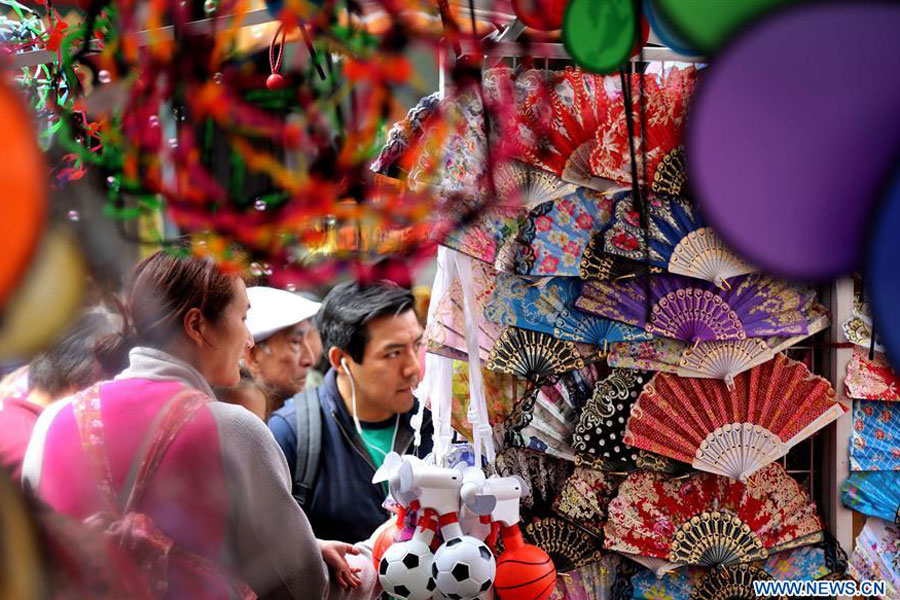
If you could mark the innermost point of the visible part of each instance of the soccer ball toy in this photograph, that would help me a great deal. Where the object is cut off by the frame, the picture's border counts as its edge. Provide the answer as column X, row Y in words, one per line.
column 463, row 568
column 405, row 568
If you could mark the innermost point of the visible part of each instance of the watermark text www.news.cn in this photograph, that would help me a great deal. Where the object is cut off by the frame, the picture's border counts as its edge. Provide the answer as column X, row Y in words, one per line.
column 818, row 589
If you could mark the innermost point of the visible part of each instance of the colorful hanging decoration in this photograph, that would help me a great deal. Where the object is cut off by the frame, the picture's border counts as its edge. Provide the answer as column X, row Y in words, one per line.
column 599, row 35
column 548, row 306
column 876, row 556
column 543, row 15
column 693, row 311
column 871, row 379
column 874, row 493
column 732, row 432
column 709, row 520
column 875, row 437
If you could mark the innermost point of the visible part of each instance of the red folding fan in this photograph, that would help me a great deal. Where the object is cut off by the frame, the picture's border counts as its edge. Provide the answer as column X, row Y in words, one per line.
column 558, row 120
column 708, row 520
column 871, row 379
column 657, row 123
column 734, row 432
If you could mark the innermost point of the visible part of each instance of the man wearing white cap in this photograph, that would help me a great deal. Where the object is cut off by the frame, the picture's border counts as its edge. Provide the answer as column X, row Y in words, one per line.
column 282, row 354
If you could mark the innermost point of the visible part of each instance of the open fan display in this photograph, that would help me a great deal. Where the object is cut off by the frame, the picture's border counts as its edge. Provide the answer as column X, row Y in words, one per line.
column 714, row 359
column 875, row 437
column 735, row 582
column 676, row 240
column 709, row 520
column 548, row 306
column 874, row 493
column 663, row 101
column 732, row 432
column 696, row 311
column 501, row 392
column 876, row 556
column 553, row 236
column 871, row 379
column 568, row 545
column 585, row 498
column 558, row 121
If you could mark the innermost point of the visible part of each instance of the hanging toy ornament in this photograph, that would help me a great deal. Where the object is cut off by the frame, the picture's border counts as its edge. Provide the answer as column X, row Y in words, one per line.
column 275, row 81
column 405, row 568
column 524, row 571
column 544, row 15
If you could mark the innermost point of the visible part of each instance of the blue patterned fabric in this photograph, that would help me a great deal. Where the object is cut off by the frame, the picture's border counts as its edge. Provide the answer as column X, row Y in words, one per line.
column 873, row 493
column 875, row 439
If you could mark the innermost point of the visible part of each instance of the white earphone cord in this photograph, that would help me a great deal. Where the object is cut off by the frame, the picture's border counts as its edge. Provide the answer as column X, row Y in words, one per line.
column 356, row 418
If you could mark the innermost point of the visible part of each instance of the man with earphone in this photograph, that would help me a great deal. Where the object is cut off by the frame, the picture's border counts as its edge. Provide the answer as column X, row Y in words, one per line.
column 336, row 436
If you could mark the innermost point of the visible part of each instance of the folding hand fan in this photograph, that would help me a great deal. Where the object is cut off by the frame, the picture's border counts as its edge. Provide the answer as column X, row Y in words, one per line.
column 875, row 437
column 585, row 498
column 676, row 239
column 874, row 493
column 709, row 521
column 732, row 432
column 858, row 328
column 544, row 474
column 557, row 123
column 593, row 581
column 871, row 379
column 876, row 556
column 734, row 582
column 568, row 545
column 664, row 103
column 694, row 311
column 553, row 236
column 713, row 360
column 548, row 306
column 501, row 393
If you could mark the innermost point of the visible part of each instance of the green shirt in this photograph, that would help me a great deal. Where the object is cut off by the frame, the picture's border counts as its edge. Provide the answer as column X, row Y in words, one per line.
column 379, row 439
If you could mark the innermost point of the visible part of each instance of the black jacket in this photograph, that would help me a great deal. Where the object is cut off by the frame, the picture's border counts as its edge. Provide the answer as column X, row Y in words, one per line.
column 343, row 503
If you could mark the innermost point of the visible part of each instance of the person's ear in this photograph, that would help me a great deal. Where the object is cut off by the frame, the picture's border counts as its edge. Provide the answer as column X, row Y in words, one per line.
column 193, row 324
column 335, row 358
column 251, row 358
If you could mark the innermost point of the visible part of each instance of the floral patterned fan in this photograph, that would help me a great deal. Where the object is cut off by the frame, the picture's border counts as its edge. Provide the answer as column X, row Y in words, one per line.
column 554, row 235
column 874, row 493
column 875, row 437
column 676, row 239
column 732, row 432
column 871, row 379
column 876, row 556
column 568, row 545
column 809, row 563
column 714, row 360
column 694, row 311
column 548, row 305
column 585, row 498
column 708, row 520
column 665, row 102
column 858, row 328
column 558, row 120
column 502, row 392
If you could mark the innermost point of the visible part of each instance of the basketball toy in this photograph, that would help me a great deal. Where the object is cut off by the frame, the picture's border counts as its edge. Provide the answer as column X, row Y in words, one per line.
column 524, row 571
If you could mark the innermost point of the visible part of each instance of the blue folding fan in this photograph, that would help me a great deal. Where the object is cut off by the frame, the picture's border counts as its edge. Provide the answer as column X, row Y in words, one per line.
column 874, row 493
column 548, row 306
column 875, row 437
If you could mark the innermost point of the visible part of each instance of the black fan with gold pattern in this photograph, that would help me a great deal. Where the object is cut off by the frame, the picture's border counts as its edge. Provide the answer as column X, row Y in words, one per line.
column 568, row 545
column 533, row 355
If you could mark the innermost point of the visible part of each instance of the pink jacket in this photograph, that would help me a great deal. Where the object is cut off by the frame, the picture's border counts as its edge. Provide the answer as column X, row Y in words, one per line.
column 222, row 491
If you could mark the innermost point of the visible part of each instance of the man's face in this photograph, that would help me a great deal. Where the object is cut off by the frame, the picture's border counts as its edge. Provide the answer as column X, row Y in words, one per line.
column 281, row 361
column 390, row 368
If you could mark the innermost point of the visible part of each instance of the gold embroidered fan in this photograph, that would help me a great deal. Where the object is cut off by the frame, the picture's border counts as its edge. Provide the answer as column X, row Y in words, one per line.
column 732, row 432
column 708, row 520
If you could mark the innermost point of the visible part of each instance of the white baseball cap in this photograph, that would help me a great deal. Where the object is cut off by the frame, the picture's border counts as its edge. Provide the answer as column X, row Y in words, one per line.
column 272, row 310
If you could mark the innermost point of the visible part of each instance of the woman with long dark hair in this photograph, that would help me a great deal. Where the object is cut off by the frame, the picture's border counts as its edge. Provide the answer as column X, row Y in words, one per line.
column 197, row 490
